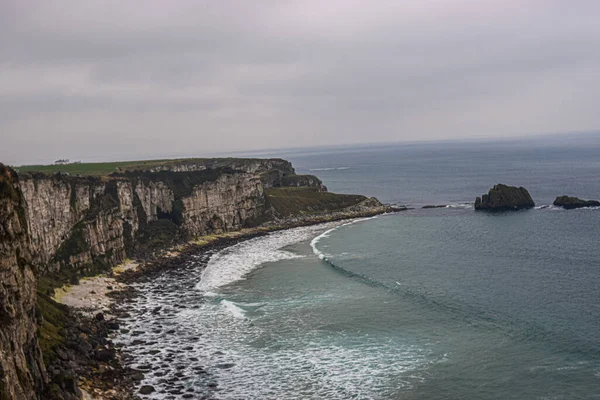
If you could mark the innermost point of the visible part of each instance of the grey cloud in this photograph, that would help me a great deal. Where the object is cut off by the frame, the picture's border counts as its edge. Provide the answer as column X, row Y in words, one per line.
column 238, row 75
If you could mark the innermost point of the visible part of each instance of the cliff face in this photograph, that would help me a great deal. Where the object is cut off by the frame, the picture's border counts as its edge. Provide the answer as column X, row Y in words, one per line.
column 78, row 222
column 67, row 226
column 85, row 224
column 22, row 372
column 226, row 204
column 90, row 223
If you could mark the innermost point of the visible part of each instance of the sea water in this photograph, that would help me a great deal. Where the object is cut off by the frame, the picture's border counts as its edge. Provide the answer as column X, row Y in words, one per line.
column 443, row 303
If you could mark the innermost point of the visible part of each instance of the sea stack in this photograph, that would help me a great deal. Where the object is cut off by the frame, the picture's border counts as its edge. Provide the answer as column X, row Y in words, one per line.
column 502, row 198
column 570, row 203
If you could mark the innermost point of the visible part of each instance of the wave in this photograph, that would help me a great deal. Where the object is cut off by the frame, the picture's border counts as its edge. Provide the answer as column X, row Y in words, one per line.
column 313, row 243
column 329, row 169
column 558, row 208
column 460, row 205
column 234, row 309
column 235, row 262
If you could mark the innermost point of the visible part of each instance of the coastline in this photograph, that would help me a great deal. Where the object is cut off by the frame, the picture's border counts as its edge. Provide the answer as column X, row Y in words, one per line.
column 102, row 299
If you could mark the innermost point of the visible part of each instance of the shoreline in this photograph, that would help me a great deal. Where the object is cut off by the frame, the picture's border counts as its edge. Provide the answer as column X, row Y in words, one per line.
column 107, row 295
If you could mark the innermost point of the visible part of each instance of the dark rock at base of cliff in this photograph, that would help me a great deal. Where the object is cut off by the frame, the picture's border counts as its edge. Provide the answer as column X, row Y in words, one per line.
column 147, row 389
column 570, row 203
column 80, row 351
column 502, row 197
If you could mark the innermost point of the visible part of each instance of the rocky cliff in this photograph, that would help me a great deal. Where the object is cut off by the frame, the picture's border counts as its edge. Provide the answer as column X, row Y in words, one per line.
column 22, row 372
column 89, row 223
column 502, row 197
column 58, row 227
column 82, row 224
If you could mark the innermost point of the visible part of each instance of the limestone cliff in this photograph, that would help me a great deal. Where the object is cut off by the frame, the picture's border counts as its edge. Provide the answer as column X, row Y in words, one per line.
column 85, row 224
column 22, row 372
column 70, row 225
column 90, row 223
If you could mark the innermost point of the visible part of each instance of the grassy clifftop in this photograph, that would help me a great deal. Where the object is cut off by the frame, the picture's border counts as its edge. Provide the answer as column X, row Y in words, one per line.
column 299, row 201
column 107, row 168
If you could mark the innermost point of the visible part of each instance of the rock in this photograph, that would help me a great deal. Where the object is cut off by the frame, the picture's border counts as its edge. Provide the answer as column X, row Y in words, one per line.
column 502, row 197
column 112, row 325
column 137, row 376
column 570, row 203
column 103, row 355
column 147, row 389
column 99, row 317
column 434, row 206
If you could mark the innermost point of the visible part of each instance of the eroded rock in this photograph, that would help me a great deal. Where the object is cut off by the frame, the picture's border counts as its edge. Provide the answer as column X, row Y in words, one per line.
column 570, row 203
column 502, row 198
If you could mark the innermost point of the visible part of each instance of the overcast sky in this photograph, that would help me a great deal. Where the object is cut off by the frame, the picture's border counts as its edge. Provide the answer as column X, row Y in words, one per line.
column 123, row 79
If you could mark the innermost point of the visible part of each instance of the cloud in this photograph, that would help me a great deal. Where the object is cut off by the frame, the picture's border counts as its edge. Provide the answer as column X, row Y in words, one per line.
column 82, row 79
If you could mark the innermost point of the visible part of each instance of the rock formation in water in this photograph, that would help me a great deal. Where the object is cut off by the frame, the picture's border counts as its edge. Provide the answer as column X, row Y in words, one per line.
column 22, row 372
column 570, row 203
column 502, row 197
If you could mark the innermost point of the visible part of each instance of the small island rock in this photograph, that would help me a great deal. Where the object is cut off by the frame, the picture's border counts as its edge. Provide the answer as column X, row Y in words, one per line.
column 502, row 197
column 570, row 203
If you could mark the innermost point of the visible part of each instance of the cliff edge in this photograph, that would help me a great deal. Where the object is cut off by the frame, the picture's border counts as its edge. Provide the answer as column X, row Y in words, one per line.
column 59, row 223
column 22, row 372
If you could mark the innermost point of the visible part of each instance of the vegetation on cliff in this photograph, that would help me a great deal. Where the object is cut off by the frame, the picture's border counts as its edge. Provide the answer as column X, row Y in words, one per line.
column 85, row 224
column 297, row 201
column 108, row 168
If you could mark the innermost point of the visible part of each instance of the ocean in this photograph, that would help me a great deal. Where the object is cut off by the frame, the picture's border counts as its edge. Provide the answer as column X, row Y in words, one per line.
column 444, row 303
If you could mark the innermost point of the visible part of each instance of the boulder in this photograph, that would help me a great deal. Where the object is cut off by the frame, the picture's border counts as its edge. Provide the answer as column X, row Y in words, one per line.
column 147, row 389
column 502, row 197
column 570, row 203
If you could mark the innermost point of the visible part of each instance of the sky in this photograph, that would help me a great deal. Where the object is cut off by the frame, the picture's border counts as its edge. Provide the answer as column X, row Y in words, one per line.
column 119, row 79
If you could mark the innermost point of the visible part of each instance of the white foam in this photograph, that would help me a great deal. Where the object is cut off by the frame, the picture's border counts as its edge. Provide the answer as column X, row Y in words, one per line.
column 461, row 205
column 317, row 239
column 267, row 358
column 235, row 262
column 329, row 169
column 234, row 309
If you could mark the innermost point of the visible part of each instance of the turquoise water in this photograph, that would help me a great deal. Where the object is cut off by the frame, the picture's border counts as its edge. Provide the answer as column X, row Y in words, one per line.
column 425, row 304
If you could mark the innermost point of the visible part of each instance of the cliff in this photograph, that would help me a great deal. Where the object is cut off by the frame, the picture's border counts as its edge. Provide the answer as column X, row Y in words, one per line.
column 69, row 225
column 570, row 203
column 502, row 197
column 22, row 372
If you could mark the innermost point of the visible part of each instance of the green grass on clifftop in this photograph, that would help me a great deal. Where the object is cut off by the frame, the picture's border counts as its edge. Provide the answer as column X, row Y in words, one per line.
column 289, row 202
column 107, row 168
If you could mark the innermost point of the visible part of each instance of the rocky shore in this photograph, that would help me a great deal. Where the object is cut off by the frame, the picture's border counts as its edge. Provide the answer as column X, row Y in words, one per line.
column 98, row 307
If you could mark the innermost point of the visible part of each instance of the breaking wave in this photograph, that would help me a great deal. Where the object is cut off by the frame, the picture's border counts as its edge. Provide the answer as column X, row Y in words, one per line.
column 235, row 262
